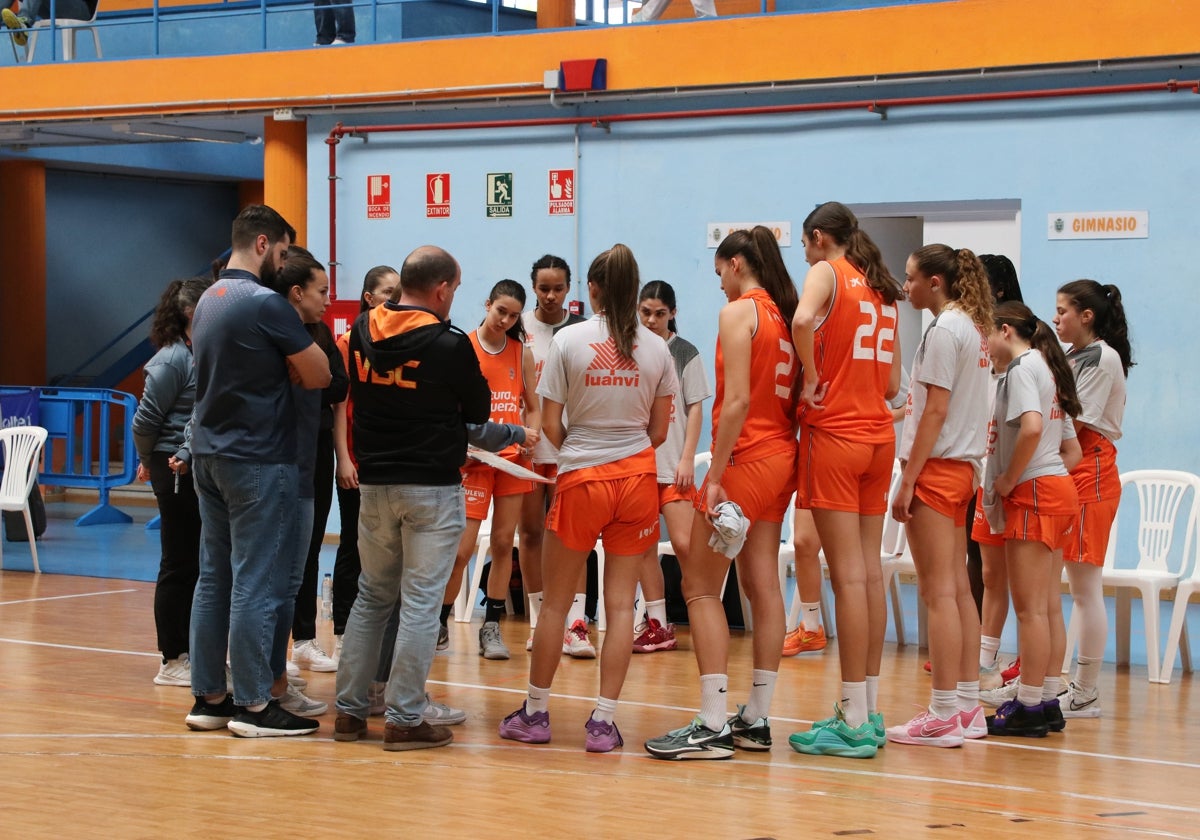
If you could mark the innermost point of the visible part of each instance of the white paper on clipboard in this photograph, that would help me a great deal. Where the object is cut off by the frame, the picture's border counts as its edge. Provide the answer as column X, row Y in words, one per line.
column 494, row 460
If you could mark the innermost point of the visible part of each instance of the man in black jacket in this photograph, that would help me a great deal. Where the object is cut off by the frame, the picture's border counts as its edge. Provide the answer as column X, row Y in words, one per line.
column 415, row 382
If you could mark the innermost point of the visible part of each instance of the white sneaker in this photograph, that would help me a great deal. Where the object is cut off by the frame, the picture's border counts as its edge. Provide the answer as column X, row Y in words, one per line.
column 175, row 672
column 297, row 681
column 439, row 714
column 576, row 642
column 337, row 649
column 997, row 697
column 1077, row 703
column 308, row 654
column 529, row 642
column 296, row 703
column 293, row 670
column 377, row 698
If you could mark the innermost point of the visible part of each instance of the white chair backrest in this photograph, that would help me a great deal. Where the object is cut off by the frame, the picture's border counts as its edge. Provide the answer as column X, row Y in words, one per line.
column 788, row 535
column 1161, row 496
column 22, row 446
column 894, row 539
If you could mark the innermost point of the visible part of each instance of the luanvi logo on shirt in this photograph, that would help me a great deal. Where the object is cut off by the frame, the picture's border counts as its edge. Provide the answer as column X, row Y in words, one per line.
column 608, row 359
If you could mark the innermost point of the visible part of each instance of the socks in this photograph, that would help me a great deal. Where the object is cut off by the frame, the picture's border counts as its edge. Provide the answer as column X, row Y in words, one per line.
column 576, row 612
column 761, row 691
column 872, row 693
column 444, row 616
column 493, row 609
column 1087, row 672
column 538, row 700
column 1051, row 688
column 535, row 608
column 989, row 647
column 605, row 710
column 810, row 616
column 944, row 703
column 968, row 695
column 713, row 707
column 854, row 703
column 657, row 610
column 1029, row 695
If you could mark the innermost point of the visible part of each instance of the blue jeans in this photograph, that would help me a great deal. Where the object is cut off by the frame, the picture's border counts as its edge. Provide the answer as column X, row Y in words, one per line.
column 248, row 549
column 287, row 610
column 334, row 20
column 407, row 538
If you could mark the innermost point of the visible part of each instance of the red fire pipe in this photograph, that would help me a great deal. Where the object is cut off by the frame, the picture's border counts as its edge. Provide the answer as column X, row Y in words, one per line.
column 879, row 106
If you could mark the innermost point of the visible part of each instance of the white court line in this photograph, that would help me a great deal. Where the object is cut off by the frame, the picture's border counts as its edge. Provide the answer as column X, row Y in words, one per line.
column 63, row 597
column 81, row 648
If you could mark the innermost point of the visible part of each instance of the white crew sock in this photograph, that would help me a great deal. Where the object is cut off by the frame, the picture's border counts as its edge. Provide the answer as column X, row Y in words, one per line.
column 605, row 710
column 761, row 691
column 810, row 616
column 576, row 612
column 538, row 700
column 657, row 610
column 713, row 705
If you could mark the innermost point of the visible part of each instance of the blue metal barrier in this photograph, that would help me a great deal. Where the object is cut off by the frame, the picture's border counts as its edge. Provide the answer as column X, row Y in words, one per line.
column 74, row 417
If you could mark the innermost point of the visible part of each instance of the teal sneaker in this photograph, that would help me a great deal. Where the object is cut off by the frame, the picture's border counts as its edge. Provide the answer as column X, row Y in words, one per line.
column 875, row 719
column 837, row 739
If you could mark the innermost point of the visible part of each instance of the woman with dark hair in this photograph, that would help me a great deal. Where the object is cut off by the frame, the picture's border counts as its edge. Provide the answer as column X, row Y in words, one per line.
column 1090, row 320
column 304, row 283
column 1029, row 497
column 615, row 381
column 550, row 278
column 745, row 493
column 379, row 284
column 676, row 460
column 845, row 335
column 507, row 364
column 163, row 458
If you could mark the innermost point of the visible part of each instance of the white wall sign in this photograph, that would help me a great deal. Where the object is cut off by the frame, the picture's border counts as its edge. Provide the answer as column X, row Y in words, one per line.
column 719, row 230
column 1099, row 224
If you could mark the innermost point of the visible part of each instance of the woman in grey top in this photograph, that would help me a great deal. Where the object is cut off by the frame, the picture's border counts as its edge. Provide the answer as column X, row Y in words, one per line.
column 158, row 432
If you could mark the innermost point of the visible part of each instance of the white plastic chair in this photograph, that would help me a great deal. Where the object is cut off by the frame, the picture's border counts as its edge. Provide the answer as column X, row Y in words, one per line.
column 68, row 28
column 1177, row 635
column 22, row 454
column 1163, row 505
column 897, row 560
column 787, row 557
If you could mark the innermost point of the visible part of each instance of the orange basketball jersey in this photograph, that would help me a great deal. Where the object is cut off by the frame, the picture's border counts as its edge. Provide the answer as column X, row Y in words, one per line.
column 769, row 427
column 505, row 377
column 853, row 349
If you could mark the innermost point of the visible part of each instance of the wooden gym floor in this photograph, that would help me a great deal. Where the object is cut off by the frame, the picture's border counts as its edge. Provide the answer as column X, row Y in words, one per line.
column 89, row 746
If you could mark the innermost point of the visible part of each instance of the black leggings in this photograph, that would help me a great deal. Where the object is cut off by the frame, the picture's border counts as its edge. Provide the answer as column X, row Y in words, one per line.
column 304, row 622
column 346, row 565
column 179, row 566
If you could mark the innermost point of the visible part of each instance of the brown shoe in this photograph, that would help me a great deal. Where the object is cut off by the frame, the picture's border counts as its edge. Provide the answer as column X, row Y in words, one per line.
column 419, row 737
column 348, row 727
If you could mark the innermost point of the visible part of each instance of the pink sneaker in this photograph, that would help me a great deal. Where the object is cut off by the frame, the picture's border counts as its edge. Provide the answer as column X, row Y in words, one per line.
column 602, row 737
column 655, row 637
column 928, row 731
column 974, row 723
column 528, row 728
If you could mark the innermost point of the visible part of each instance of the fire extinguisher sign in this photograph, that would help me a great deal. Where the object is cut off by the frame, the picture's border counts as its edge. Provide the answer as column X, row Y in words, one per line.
column 379, row 196
column 437, row 195
column 562, row 192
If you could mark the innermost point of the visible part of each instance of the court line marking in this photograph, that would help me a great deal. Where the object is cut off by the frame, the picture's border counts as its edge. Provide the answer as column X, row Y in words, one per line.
column 64, row 597
column 81, row 648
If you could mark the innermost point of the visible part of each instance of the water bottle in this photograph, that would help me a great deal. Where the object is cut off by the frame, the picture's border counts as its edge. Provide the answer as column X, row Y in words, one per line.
column 327, row 597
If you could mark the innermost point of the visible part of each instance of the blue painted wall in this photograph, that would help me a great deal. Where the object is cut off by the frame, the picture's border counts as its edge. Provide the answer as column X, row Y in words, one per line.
column 112, row 245
column 654, row 186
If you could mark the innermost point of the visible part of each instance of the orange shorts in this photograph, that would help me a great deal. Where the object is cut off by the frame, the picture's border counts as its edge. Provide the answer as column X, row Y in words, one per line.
column 762, row 488
column 481, row 482
column 840, row 474
column 544, row 470
column 945, row 486
column 981, row 532
column 1042, row 510
column 668, row 493
column 1089, row 541
column 607, row 501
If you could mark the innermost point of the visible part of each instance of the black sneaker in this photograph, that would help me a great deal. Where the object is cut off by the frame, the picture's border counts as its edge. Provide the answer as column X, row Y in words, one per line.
column 271, row 722
column 205, row 716
column 1055, row 721
column 750, row 736
column 693, row 741
column 1014, row 719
